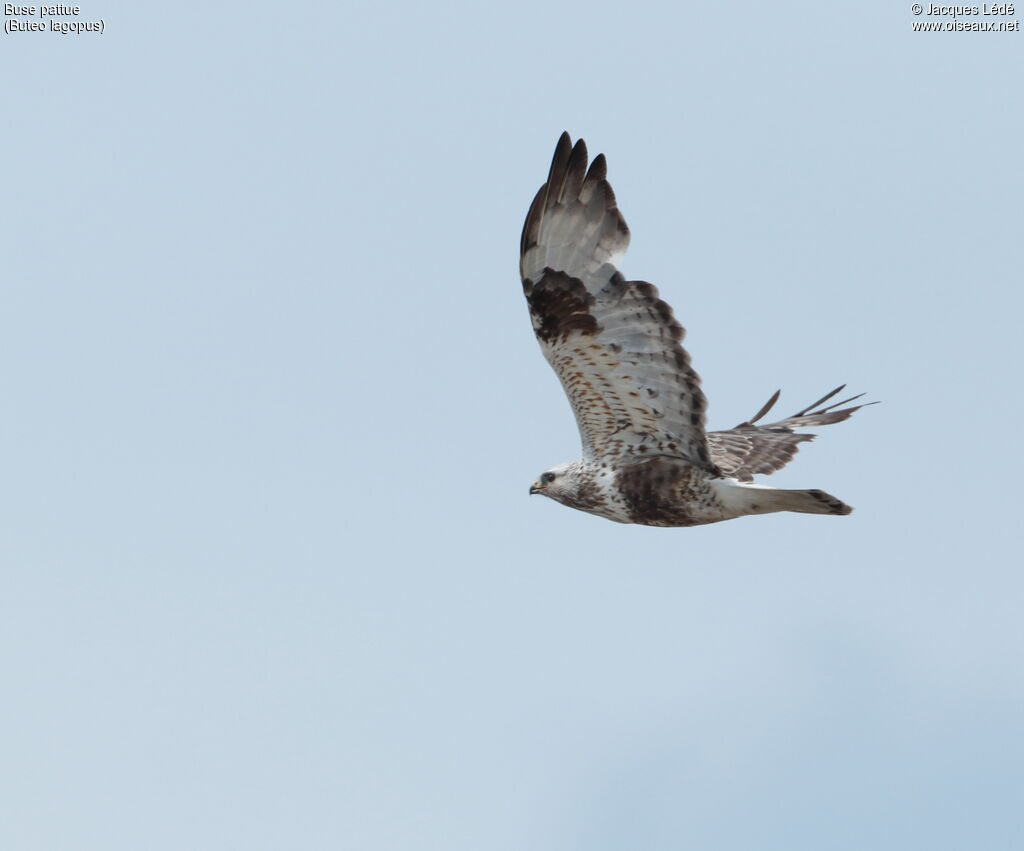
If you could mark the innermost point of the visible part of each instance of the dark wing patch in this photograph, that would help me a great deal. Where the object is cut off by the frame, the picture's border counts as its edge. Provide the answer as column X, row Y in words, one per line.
column 614, row 343
column 560, row 305
column 749, row 449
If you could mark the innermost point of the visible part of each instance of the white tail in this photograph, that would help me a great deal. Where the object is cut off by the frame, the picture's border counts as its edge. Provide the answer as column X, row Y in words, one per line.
column 758, row 499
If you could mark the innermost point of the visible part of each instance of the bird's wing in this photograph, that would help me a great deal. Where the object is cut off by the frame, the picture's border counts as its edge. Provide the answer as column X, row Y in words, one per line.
column 749, row 449
column 613, row 343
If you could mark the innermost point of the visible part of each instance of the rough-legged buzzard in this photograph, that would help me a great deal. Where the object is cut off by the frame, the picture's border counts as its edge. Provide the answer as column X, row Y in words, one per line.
column 617, row 349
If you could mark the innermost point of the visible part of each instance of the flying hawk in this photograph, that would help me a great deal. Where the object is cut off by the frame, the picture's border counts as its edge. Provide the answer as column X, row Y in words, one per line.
column 617, row 350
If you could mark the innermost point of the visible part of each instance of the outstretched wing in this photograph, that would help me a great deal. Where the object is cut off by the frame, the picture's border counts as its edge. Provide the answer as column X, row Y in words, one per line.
column 613, row 343
column 749, row 449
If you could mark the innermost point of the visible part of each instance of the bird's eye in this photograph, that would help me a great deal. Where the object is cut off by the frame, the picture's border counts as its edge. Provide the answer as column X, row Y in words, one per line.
column 547, row 478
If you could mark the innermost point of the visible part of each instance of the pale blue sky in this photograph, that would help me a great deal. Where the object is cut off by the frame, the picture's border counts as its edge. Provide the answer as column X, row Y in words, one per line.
column 269, row 574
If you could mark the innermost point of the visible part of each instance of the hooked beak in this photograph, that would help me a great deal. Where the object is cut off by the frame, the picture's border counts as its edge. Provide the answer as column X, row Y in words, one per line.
column 535, row 488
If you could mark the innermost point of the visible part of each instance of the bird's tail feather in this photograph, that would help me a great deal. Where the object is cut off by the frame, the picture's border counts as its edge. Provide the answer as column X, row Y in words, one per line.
column 757, row 499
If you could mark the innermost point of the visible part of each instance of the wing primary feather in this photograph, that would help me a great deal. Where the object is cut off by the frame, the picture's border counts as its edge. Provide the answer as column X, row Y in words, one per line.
column 575, row 169
column 764, row 409
column 563, row 151
column 598, row 170
column 825, row 410
column 532, row 223
column 824, row 398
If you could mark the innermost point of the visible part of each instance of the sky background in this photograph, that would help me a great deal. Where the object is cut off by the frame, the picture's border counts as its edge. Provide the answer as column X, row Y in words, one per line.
column 269, row 574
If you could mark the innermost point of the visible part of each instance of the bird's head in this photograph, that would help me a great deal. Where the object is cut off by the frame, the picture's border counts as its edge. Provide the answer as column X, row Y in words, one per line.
column 561, row 483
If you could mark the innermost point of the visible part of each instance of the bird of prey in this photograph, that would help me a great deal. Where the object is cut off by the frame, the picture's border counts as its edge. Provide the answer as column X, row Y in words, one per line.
column 639, row 406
